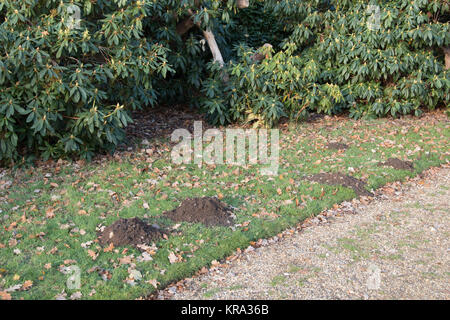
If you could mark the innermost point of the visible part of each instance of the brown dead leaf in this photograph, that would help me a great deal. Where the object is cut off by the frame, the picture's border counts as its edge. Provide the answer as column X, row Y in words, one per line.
column 69, row 261
column 5, row 295
column 12, row 242
column 173, row 258
column 92, row 254
column 50, row 213
column 53, row 250
column 215, row 263
column 27, row 285
column 153, row 282
column 109, row 248
column 125, row 260
column 12, row 226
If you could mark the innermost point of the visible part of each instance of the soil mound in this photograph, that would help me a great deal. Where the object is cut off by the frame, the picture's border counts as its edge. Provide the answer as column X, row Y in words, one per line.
column 208, row 211
column 341, row 179
column 397, row 164
column 132, row 231
column 337, row 146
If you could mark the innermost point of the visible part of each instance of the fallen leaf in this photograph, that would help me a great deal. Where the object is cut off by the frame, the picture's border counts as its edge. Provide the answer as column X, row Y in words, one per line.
column 6, row 296
column 49, row 214
column 172, row 257
column 215, row 263
column 76, row 296
column 92, row 254
column 176, row 226
column 53, row 250
column 125, row 260
column 27, row 285
column 14, row 288
column 145, row 257
column 109, row 248
column 153, row 282
column 87, row 244
column 70, row 261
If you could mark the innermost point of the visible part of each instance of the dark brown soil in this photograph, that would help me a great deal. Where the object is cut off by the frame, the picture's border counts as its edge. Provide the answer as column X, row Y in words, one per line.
column 313, row 117
column 162, row 121
column 337, row 146
column 208, row 211
column 132, row 231
column 397, row 164
column 341, row 179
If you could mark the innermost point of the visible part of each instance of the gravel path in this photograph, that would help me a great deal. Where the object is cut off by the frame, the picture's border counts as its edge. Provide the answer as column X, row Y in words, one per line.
column 395, row 247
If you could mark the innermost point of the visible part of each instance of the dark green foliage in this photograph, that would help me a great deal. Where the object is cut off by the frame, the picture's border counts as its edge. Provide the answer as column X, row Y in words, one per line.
column 65, row 89
column 334, row 60
column 253, row 27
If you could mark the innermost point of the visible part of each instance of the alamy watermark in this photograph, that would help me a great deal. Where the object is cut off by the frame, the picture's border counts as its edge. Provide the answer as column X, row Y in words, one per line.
column 190, row 148
column 374, row 21
column 74, row 280
column 74, row 17
column 374, row 277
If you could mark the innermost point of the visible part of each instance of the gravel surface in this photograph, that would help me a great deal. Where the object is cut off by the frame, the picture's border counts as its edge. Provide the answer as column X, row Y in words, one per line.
column 394, row 247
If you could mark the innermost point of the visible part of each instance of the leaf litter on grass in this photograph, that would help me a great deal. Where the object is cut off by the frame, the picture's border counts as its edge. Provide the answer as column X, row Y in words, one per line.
column 48, row 230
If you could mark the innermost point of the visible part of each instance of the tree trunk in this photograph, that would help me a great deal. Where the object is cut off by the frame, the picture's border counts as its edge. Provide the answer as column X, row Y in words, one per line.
column 184, row 26
column 217, row 55
column 447, row 58
column 209, row 37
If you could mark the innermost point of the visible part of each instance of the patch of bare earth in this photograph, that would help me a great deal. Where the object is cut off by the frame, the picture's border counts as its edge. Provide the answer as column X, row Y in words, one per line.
column 397, row 164
column 132, row 231
column 395, row 247
column 334, row 179
column 337, row 146
column 207, row 210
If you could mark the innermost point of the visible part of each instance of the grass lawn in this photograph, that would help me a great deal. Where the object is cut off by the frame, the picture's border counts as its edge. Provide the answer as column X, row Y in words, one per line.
column 49, row 216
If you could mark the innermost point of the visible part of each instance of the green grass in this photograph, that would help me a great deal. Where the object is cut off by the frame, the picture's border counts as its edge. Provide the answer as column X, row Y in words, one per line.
column 278, row 280
column 45, row 245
